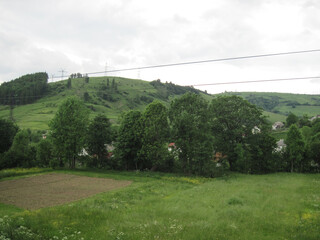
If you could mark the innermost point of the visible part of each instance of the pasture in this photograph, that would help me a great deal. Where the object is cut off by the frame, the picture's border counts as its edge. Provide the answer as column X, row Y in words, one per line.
column 168, row 206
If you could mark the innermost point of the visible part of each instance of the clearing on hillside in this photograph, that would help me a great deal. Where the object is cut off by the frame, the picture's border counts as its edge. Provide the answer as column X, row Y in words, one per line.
column 53, row 189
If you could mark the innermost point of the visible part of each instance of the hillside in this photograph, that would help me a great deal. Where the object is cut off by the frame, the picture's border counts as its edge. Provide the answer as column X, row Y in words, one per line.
column 107, row 95
column 114, row 95
column 279, row 105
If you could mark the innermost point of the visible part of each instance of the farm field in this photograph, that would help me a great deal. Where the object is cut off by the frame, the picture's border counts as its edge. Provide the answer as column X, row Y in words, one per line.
column 169, row 206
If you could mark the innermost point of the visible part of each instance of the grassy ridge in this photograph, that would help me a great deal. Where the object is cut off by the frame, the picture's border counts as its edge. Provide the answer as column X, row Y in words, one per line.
column 137, row 94
column 129, row 94
column 167, row 206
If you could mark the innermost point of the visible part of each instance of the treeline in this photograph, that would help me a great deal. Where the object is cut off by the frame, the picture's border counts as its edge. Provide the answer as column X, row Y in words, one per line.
column 169, row 89
column 24, row 90
column 192, row 136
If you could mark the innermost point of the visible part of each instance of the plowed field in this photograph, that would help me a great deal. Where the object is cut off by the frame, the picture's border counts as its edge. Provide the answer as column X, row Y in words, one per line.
column 53, row 189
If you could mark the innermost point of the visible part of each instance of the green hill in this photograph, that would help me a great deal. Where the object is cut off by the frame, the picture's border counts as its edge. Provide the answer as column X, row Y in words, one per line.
column 107, row 95
column 279, row 105
column 114, row 95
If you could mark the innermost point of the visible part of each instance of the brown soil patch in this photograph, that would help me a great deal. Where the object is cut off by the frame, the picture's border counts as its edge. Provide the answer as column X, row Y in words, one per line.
column 53, row 189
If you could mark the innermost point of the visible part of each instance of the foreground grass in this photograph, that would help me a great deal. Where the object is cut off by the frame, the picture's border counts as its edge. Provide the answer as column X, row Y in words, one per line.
column 167, row 206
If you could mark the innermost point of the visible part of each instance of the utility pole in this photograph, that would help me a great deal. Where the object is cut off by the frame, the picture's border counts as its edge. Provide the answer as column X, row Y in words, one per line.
column 106, row 69
column 62, row 71
column 52, row 77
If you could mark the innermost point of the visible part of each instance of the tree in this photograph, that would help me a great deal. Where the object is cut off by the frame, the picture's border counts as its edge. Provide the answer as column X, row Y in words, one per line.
column 304, row 121
column 68, row 129
column 155, row 136
column 232, row 122
column 86, row 96
column 261, row 149
column 315, row 150
column 99, row 135
column 191, row 133
column 295, row 148
column 20, row 154
column 69, row 83
column 44, row 153
column 8, row 130
column 129, row 141
column 86, row 79
column 291, row 119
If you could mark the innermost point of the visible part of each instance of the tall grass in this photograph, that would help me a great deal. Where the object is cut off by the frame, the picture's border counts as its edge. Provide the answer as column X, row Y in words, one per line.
column 160, row 206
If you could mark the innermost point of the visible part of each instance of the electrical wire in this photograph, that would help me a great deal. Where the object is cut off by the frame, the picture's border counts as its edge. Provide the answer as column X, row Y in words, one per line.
column 201, row 61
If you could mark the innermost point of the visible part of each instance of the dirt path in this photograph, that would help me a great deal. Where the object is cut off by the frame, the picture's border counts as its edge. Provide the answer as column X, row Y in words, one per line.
column 53, row 189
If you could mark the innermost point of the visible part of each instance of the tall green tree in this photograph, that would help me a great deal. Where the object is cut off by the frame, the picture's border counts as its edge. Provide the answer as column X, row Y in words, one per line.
column 68, row 129
column 155, row 136
column 295, row 148
column 291, row 119
column 8, row 130
column 233, row 121
column 20, row 154
column 44, row 153
column 69, row 83
column 129, row 141
column 189, row 117
column 99, row 135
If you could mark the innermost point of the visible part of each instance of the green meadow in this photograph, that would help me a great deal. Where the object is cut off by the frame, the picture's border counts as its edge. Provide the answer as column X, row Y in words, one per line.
column 169, row 206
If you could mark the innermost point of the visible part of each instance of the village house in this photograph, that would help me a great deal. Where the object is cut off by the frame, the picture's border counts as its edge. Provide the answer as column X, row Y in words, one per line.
column 277, row 125
column 280, row 145
column 314, row 118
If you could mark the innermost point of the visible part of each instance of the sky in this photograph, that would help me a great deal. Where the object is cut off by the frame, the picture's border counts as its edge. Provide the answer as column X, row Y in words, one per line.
column 100, row 35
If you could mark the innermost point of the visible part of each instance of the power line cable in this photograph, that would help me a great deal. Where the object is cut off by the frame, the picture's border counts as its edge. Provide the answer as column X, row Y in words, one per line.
column 204, row 61
column 257, row 81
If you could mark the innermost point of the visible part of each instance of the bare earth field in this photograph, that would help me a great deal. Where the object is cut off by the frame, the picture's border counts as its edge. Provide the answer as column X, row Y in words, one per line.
column 53, row 189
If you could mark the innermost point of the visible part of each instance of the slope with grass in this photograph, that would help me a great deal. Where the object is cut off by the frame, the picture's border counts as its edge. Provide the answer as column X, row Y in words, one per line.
column 282, row 104
column 125, row 94
column 108, row 95
column 167, row 206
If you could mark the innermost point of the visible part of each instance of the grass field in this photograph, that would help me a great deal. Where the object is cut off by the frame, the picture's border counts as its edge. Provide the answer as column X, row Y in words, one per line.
column 168, row 206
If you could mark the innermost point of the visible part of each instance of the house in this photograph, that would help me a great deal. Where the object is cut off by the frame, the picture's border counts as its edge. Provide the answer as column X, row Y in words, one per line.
column 277, row 125
column 256, row 130
column 280, row 145
column 171, row 146
column 314, row 118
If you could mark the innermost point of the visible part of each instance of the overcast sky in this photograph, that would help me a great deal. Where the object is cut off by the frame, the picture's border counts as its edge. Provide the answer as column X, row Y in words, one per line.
column 88, row 35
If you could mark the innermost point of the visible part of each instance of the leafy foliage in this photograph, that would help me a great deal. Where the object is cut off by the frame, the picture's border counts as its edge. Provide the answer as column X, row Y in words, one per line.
column 24, row 90
column 291, row 119
column 129, row 141
column 68, row 129
column 233, row 122
column 191, row 133
column 8, row 130
column 98, row 136
column 295, row 148
column 155, row 134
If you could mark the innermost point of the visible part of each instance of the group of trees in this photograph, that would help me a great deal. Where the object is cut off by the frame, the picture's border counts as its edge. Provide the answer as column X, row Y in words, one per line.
column 24, row 90
column 206, row 137
column 303, row 144
column 229, row 127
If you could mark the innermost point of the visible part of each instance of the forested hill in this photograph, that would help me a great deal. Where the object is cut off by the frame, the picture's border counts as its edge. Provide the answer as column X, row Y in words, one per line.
column 108, row 95
column 24, row 90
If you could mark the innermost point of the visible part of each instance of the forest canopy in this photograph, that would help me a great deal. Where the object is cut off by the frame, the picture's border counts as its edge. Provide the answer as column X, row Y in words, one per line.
column 24, row 90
